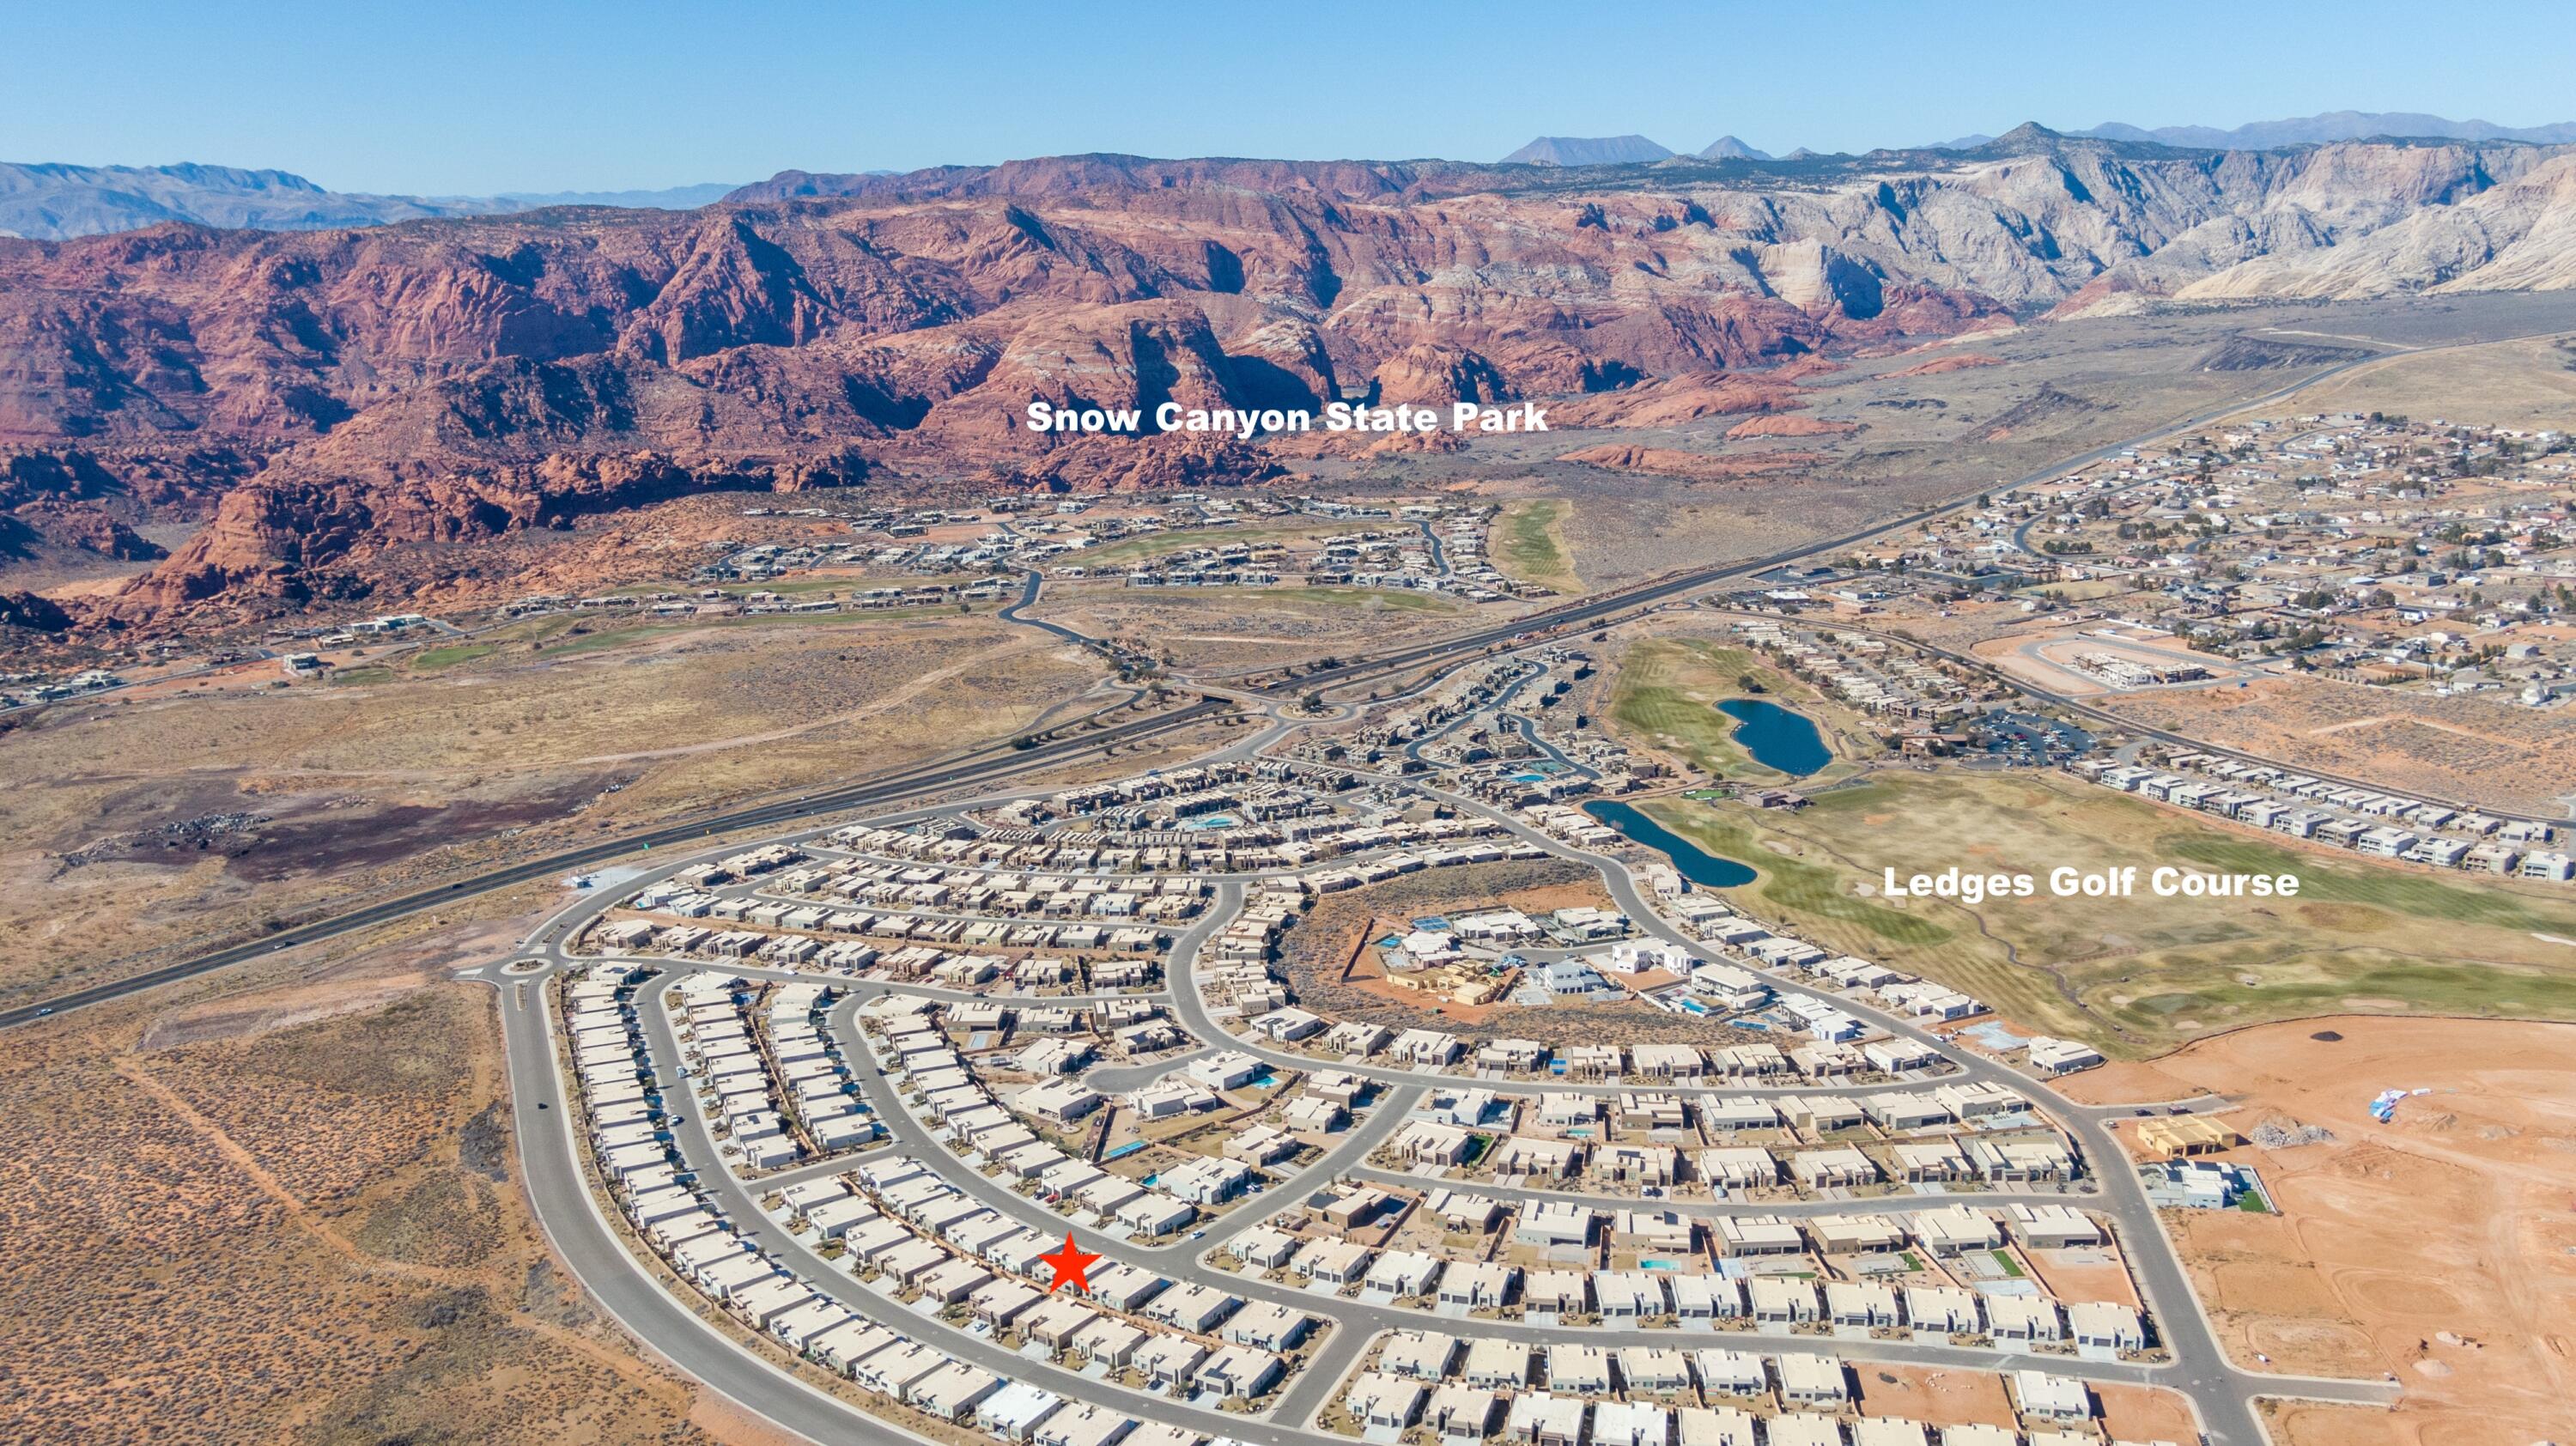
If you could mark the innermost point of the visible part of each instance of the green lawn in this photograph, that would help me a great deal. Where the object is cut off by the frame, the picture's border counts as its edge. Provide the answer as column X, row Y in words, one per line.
column 430, row 660
column 1528, row 543
column 2135, row 975
column 1668, row 689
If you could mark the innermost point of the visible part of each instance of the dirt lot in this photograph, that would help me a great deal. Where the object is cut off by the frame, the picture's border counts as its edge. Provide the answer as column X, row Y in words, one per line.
column 284, row 1209
column 1317, row 948
column 2470, row 749
column 1223, row 631
column 2528, row 383
column 152, row 825
column 2440, row 1247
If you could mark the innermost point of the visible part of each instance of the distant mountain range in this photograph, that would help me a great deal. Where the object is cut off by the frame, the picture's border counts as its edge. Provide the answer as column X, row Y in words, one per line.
column 351, row 408
column 57, row 202
column 2315, row 130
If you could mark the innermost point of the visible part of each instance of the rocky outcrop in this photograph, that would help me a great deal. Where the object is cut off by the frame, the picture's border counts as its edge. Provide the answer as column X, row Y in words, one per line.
column 32, row 612
column 1789, row 426
column 348, row 393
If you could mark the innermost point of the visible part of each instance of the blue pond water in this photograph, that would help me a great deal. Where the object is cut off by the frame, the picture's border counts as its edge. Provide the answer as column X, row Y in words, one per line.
column 1776, row 737
column 1695, row 863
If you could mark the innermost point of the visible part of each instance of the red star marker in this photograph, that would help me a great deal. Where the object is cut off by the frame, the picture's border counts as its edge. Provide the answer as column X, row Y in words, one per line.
column 1072, row 1265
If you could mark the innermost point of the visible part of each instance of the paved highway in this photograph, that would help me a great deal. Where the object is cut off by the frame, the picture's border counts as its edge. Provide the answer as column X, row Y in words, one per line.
column 991, row 763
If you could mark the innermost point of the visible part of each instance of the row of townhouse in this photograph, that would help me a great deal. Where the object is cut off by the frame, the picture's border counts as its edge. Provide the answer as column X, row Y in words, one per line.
column 792, row 949
column 1568, row 1400
column 966, row 845
column 662, row 1202
column 737, row 1083
column 995, row 1134
column 922, row 1234
column 2379, row 825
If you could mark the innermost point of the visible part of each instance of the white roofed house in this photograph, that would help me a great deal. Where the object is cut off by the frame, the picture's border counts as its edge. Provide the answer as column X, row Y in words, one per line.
column 1402, row 1273
column 1631, row 1423
column 1554, row 1222
column 1860, row 1303
column 1384, row 1401
column 1462, row 1413
column 1462, row 1211
column 891, row 1371
column 1013, row 1412
column 1715, row 1426
column 1206, row 1181
column 1637, row 1164
column 1539, row 1418
column 1153, row 1213
column 1418, row 1355
column 1495, row 1364
column 1081, row 1423
column 1942, row 1310
column 1781, row 1300
column 1921, row 1162
column 1269, row 1326
column 1738, row 1167
column 1426, row 1047
column 2051, row 1397
column 2051, row 1056
column 2023, row 1318
column 1956, row 1230
column 1193, row 1308
column 1260, row 1145
column 844, row 1346
column 1060, row 1102
column 1334, row 1262
column 1520, row 1156
column 1239, row 1371
column 1578, row 1370
column 1747, row 1235
column 801, row 1326
column 2105, row 1326
column 1422, row 1142
column 1832, row 1167
column 1813, row 1381
column 1654, row 1370
column 1170, row 1361
column 1724, row 1372
column 952, row 1391
column 1628, row 1295
column 1888, row 1431
column 2051, row 1227
column 1705, row 1297
column 1483, row 1285
column 1264, row 1246
column 1856, row 1233
column 1740, row 1112
column 1109, row 1341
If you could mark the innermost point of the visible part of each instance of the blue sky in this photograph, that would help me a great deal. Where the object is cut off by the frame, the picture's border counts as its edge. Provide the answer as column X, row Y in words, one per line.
column 473, row 97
